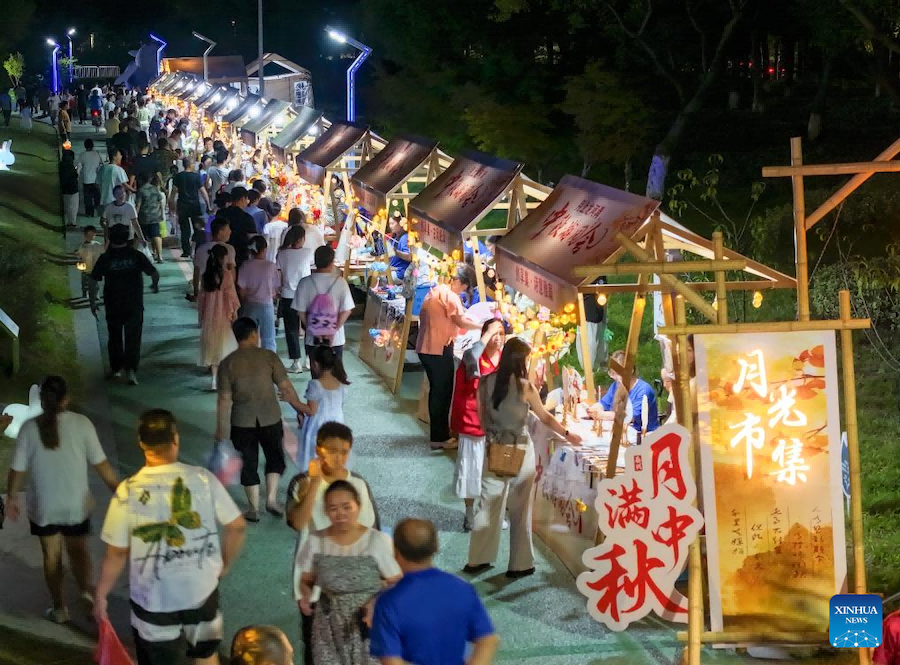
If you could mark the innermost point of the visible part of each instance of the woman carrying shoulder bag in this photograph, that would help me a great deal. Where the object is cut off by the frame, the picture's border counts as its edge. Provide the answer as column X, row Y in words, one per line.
column 504, row 400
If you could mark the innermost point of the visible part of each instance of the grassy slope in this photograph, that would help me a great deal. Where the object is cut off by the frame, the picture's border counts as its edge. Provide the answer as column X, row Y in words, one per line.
column 34, row 285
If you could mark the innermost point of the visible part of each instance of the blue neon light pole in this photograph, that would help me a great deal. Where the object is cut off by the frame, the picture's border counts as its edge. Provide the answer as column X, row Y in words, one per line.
column 364, row 52
column 159, row 51
column 53, row 63
column 70, row 34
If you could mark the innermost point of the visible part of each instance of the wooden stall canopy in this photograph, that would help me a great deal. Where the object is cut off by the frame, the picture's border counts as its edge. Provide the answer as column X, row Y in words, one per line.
column 306, row 119
column 328, row 150
column 388, row 170
column 460, row 197
column 163, row 82
column 240, row 113
column 188, row 91
column 165, row 87
column 219, row 107
column 207, row 96
column 268, row 117
column 575, row 225
column 223, row 69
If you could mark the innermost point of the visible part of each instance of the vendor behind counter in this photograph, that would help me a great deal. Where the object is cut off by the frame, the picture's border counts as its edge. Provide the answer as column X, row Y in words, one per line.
column 637, row 391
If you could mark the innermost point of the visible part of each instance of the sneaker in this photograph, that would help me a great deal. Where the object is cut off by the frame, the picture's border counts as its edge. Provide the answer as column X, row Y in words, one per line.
column 132, row 378
column 295, row 367
column 505, row 524
column 114, row 375
column 55, row 615
column 306, row 363
column 467, row 524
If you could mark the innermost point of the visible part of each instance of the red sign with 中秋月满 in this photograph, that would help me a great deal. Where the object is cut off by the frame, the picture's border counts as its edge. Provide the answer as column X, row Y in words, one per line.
column 770, row 459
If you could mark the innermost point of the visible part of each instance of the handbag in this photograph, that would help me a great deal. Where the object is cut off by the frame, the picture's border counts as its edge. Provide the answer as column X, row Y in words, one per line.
column 505, row 453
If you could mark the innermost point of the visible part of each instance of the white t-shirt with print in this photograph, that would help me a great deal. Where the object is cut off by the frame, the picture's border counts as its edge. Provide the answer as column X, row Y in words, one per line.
column 325, row 282
column 57, row 491
column 167, row 517
column 294, row 265
column 110, row 176
column 121, row 214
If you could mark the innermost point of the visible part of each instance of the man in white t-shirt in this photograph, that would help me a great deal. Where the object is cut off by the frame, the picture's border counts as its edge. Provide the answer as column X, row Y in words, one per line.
column 111, row 175
column 274, row 233
column 120, row 211
column 89, row 164
column 163, row 521
column 325, row 280
column 221, row 234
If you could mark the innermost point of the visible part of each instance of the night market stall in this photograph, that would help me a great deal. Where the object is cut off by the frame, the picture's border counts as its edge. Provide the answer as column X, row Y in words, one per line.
column 298, row 135
column 378, row 186
column 551, row 258
column 268, row 123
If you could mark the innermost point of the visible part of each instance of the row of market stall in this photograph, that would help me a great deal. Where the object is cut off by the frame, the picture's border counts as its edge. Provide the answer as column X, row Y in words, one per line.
column 554, row 246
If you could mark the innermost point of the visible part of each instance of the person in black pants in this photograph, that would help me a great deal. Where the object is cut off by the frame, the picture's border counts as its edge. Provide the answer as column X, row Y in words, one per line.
column 441, row 317
column 122, row 267
column 188, row 189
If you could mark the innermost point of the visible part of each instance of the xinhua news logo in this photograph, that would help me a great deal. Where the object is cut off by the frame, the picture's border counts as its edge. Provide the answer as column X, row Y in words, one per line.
column 854, row 621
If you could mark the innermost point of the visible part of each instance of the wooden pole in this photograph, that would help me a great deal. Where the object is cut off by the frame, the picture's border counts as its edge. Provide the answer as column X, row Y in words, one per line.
column 856, row 513
column 627, row 371
column 586, row 352
column 756, row 285
column 800, row 232
column 750, row 637
column 532, row 360
column 685, row 414
column 479, row 268
column 677, row 285
column 778, row 326
column 721, row 293
column 850, row 186
column 798, row 170
column 659, row 267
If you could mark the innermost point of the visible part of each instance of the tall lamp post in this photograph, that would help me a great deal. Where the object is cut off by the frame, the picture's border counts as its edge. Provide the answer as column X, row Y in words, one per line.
column 70, row 34
column 212, row 45
column 162, row 45
column 259, row 39
column 53, row 65
column 364, row 52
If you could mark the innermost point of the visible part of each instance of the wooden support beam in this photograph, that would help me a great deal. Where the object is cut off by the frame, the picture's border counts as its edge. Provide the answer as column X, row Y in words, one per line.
column 750, row 637
column 721, row 293
column 675, row 284
column 658, row 268
column 800, row 254
column 587, row 352
column 850, row 186
column 777, row 326
column 831, row 169
column 759, row 285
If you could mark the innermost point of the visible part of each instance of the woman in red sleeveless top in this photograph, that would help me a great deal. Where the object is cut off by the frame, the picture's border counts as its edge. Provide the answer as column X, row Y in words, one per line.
column 478, row 361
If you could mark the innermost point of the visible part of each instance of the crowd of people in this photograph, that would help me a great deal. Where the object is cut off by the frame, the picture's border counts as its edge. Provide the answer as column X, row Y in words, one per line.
column 363, row 597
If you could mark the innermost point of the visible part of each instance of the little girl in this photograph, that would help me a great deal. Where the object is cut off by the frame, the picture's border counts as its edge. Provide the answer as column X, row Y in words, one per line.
column 324, row 402
column 217, row 306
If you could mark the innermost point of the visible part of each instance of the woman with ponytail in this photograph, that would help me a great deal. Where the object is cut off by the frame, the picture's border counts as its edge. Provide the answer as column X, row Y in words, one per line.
column 441, row 317
column 54, row 450
column 324, row 401
column 217, row 306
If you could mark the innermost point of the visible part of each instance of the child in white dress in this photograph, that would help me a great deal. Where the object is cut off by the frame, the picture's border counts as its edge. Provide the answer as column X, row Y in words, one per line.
column 324, row 402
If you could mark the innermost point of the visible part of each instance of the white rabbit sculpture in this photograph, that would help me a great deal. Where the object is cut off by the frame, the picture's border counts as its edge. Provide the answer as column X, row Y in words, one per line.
column 21, row 412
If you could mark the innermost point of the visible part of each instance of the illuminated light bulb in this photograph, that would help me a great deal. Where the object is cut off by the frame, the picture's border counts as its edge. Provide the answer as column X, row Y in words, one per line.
column 715, row 303
column 455, row 255
column 601, row 299
column 569, row 308
column 757, row 299
column 395, row 203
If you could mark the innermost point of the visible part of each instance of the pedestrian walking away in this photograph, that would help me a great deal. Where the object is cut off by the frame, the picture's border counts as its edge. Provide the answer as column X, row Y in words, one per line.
column 429, row 617
column 88, row 252
column 123, row 268
column 154, row 524
column 258, row 284
column 248, row 407
column 53, row 451
column 217, row 309
column 294, row 262
column 89, row 165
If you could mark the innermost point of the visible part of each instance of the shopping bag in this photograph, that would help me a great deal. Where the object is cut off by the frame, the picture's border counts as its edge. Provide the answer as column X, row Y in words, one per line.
column 225, row 463
column 110, row 650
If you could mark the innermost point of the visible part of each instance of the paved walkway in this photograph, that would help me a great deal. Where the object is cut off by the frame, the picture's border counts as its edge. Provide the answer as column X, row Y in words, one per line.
column 541, row 619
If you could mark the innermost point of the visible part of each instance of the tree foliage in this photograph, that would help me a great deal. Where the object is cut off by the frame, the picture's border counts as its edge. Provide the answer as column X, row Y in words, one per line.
column 15, row 67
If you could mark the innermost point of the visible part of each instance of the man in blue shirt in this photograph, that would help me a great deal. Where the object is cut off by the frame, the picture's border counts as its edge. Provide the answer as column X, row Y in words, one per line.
column 400, row 258
column 636, row 393
column 260, row 218
column 429, row 616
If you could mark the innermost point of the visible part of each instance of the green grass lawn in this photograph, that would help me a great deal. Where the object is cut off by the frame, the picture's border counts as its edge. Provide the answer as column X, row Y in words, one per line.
column 34, row 284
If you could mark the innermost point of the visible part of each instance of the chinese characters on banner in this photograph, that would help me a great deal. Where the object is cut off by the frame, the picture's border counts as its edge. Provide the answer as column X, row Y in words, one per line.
column 434, row 235
column 649, row 520
column 769, row 429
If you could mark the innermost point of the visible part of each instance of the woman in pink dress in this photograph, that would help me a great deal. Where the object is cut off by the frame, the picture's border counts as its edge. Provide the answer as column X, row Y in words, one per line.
column 218, row 306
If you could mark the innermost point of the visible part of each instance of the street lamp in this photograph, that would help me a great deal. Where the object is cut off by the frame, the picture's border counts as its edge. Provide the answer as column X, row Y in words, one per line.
column 364, row 52
column 212, row 45
column 70, row 34
column 162, row 45
column 53, row 67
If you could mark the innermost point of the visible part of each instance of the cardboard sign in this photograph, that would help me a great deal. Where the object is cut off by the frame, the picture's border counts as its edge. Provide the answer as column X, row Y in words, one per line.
column 463, row 194
column 575, row 226
column 649, row 520
column 770, row 459
column 327, row 150
column 388, row 170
